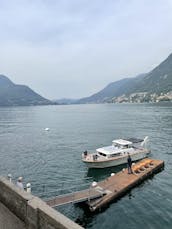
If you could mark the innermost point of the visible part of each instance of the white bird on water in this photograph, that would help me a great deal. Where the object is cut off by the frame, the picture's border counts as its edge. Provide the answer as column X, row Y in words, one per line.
column 47, row 129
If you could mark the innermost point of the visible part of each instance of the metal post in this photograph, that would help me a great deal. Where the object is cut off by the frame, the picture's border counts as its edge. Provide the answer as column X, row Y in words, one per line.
column 89, row 194
column 10, row 177
column 28, row 187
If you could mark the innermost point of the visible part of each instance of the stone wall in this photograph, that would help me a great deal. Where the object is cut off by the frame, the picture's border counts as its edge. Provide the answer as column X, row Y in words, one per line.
column 32, row 211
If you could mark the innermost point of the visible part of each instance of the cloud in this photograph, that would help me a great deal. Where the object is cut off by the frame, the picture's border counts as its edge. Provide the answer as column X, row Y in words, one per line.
column 74, row 48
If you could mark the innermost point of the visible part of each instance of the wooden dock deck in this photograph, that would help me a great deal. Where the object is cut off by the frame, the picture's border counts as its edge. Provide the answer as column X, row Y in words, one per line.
column 111, row 188
column 122, row 182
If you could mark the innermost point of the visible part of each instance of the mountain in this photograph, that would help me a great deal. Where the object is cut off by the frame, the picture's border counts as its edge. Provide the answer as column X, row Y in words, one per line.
column 159, row 80
column 114, row 89
column 65, row 101
column 18, row 95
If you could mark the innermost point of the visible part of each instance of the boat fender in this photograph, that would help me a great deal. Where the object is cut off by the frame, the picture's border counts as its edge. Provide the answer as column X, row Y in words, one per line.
column 92, row 208
column 94, row 184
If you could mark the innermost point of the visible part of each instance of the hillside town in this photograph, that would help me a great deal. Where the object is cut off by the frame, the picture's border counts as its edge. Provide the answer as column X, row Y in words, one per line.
column 142, row 97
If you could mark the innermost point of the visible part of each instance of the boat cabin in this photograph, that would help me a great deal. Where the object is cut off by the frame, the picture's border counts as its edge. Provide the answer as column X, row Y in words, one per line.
column 118, row 148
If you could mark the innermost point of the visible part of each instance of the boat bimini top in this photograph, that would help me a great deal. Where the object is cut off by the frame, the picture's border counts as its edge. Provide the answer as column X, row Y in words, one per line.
column 121, row 142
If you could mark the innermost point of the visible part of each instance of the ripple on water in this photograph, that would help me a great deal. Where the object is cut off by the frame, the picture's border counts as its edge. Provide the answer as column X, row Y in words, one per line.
column 52, row 160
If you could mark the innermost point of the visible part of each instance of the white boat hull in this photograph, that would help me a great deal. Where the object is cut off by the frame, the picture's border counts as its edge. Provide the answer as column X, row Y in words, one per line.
column 116, row 161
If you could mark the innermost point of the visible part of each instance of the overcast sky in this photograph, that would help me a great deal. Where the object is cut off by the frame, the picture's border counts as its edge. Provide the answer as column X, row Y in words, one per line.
column 74, row 48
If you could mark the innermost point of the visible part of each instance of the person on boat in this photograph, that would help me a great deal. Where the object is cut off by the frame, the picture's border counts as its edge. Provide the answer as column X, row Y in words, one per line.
column 85, row 153
column 95, row 157
column 129, row 164
column 20, row 183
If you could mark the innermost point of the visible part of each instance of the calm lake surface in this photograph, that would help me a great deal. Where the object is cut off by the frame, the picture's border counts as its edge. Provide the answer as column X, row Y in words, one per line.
column 51, row 160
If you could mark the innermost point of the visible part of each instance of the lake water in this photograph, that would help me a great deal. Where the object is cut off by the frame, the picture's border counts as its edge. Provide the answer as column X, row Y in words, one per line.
column 51, row 160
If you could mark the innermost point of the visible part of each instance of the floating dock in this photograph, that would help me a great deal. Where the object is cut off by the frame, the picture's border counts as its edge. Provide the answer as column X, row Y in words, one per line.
column 111, row 188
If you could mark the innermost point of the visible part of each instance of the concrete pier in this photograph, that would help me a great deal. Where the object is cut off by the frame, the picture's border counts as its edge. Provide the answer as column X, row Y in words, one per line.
column 8, row 220
column 21, row 210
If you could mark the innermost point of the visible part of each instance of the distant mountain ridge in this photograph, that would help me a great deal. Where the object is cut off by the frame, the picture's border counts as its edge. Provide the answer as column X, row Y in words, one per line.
column 65, row 101
column 18, row 95
column 113, row 89
column 159, row 80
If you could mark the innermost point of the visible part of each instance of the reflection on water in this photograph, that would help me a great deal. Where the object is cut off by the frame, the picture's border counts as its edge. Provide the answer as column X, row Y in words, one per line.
column 100, row 174
column 51, row 160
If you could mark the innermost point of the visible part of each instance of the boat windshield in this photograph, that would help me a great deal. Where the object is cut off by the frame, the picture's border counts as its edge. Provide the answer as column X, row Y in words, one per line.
column 118, row 146
column 102, row 154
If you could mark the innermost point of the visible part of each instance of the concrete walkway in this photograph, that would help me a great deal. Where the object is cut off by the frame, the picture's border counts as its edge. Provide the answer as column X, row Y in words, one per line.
column 8, row 220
